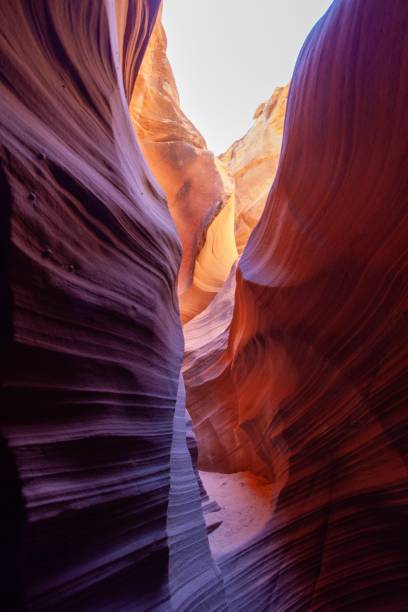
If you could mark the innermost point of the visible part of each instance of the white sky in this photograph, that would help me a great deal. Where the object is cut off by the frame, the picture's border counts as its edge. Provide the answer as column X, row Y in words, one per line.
column 229, row 55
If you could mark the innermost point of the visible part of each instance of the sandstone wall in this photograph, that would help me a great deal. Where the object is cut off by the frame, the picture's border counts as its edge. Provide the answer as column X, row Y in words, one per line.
column 93, row 455
column 306, row 385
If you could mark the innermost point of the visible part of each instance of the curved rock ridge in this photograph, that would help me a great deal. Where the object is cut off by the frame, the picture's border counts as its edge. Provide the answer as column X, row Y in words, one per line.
column 102, row 508
column 197, row 185
column 307, row 386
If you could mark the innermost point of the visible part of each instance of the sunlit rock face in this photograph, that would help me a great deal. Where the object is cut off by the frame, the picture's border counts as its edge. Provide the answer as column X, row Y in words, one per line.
column 215, row 202
column 198, row 187
column 306, row 387
column 252, row 161
column 101, row 507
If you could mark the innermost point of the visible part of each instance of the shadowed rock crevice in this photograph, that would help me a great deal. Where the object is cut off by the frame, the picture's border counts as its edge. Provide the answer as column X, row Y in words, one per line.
column 12, row 512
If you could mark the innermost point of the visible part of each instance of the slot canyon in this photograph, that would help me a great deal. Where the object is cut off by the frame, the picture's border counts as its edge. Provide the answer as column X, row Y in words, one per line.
column 203, row 386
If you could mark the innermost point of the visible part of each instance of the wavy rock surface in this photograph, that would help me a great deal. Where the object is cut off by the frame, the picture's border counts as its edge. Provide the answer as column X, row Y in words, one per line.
column 197, row 185
column 305, row 388
column 101, row 502
column 310, row 389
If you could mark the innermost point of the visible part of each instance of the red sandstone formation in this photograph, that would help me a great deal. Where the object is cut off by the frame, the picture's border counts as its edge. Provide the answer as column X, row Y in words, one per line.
column 102, row 504
column 294, row 367
column 309, row 390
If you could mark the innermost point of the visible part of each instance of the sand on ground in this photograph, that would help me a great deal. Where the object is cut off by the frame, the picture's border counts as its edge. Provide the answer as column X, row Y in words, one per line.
column 245, row 508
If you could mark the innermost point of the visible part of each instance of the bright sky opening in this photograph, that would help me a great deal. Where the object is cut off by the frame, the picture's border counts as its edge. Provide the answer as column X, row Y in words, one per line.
column 229, row 55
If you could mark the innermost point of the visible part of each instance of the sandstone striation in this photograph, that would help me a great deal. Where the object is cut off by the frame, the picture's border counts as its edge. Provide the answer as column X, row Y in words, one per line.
column 102, row 507
column 115, row 219
column 306, row 386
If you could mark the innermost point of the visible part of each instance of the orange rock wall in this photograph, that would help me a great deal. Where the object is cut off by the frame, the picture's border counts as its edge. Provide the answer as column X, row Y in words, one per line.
column 252, row 162
column 190, row 176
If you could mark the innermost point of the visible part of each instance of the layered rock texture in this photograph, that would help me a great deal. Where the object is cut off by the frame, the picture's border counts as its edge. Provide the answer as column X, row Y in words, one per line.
column 295, row 353
column 307, row 386
column 102, row 507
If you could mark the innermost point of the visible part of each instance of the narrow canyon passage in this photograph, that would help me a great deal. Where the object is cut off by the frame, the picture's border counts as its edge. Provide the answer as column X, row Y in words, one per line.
column 203, row 360
column 280, row 370
column 215, row 203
